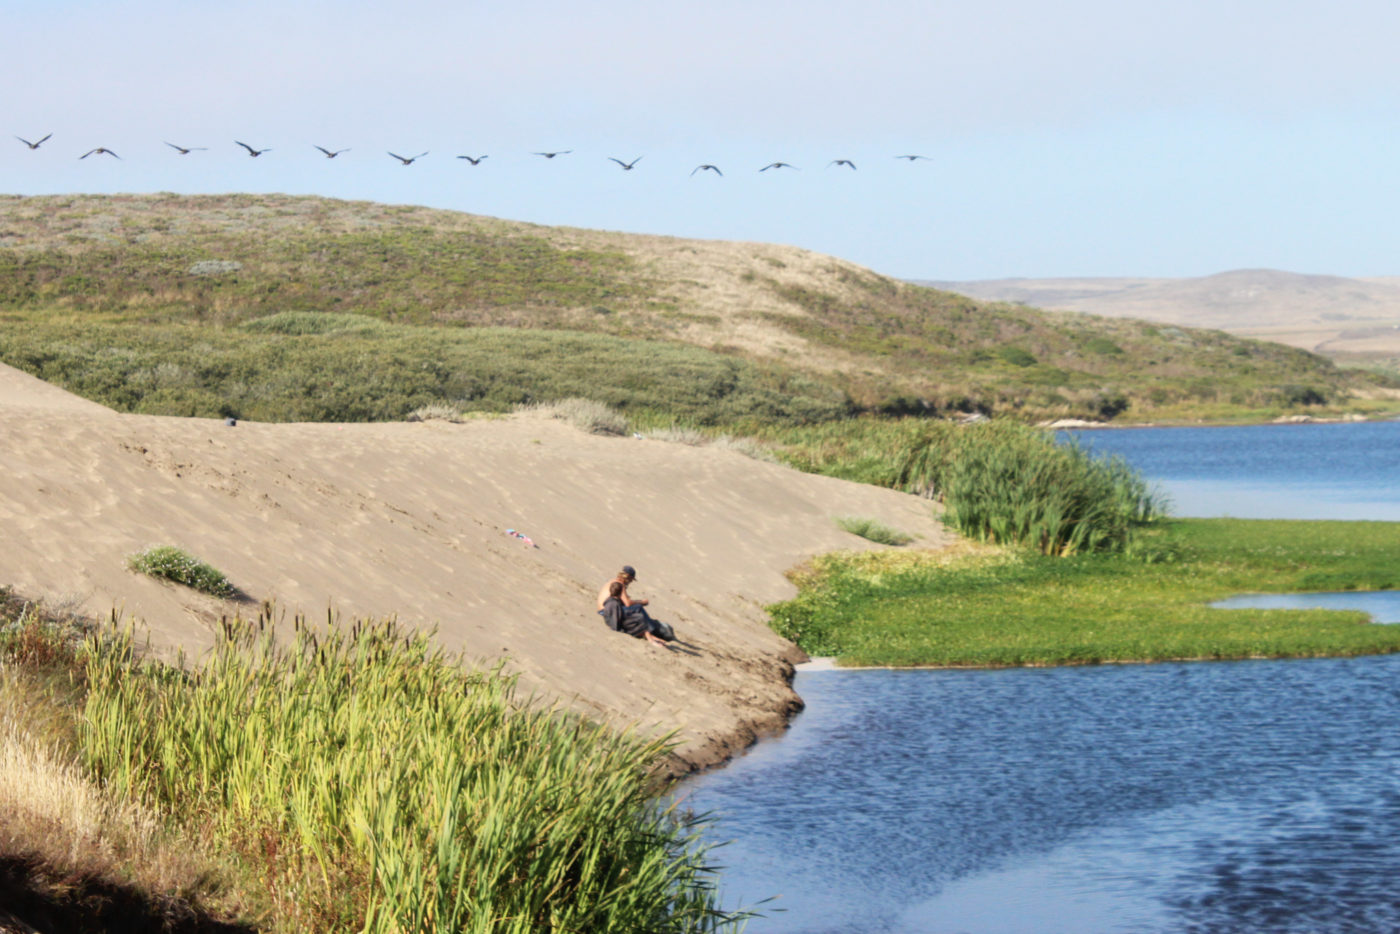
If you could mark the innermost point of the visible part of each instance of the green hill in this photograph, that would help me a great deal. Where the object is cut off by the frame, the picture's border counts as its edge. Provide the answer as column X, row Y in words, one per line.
column 276, row 307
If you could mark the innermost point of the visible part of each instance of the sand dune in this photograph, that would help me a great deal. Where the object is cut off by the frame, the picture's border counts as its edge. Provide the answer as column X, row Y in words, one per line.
column 410, row 520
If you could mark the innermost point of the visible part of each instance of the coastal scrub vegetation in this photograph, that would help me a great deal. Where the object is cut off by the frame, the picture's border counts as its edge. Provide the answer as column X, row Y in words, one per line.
column 1001, row 607
column 342, row 779
column 272, row 307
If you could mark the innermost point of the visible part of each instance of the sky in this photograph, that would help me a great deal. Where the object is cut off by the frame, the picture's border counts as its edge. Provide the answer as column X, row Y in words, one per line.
column 1075, row 138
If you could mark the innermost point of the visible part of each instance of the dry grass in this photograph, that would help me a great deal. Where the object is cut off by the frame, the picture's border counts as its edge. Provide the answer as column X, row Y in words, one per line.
column 74, row 836
column 584, row 414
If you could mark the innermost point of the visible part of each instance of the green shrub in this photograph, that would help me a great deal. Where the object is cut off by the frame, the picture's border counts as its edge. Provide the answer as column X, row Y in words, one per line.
column 1102, row 345
column 172, row 564
column 1017, row 356
column 874, row 531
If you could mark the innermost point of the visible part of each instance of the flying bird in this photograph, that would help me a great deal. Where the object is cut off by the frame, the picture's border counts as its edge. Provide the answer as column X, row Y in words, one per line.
column 626, row 166
column 551, row 155
column 329, row 153
column 778, row 165
column 410, row 160
column 251, row 151
column 185, row 150
column 707, row 168
column 476, row 161
column 841, row 162
column 100, row 150
column 911, row 158
column 34, row 145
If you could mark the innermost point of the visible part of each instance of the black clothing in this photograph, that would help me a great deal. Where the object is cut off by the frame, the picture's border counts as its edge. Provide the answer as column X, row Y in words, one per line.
column 632, row 620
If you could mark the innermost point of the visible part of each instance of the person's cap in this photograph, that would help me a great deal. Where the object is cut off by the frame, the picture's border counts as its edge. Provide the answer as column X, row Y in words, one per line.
column 629, row 571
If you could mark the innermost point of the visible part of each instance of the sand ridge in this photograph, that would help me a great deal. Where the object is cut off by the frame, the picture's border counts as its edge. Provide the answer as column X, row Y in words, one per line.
column 411, row 520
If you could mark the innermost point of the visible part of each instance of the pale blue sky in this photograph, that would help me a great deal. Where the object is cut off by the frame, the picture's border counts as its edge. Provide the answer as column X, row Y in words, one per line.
column 1082, row 137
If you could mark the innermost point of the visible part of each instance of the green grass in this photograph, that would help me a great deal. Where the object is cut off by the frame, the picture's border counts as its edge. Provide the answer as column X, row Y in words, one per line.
column 173, row 564
column 873, row 530
column 370, row 783
column 889, row 608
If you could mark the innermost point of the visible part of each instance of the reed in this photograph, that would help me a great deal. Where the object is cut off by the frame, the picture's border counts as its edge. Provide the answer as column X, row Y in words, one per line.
column 379, row 786
column 1002, row 482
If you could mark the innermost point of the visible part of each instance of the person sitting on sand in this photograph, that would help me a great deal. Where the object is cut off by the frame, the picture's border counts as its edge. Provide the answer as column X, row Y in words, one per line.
column 626, row 576
column 615, row 614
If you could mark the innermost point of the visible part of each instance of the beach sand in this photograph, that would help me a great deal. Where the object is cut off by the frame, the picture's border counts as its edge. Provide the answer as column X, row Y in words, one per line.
column 409, row 520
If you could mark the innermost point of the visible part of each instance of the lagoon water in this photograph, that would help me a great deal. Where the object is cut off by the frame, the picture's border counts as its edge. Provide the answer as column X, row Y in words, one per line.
column 1335, row 471
column 1210, row 797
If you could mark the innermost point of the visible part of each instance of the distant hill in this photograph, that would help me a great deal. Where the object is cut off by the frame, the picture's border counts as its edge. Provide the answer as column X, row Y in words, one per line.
column 1328, row 314
column 280, row 308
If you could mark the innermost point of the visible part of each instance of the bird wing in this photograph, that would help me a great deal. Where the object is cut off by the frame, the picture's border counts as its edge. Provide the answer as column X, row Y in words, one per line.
column 46, row 136
column 88, row 153
column 618, row 161
column 398, row 157
column 247, row 147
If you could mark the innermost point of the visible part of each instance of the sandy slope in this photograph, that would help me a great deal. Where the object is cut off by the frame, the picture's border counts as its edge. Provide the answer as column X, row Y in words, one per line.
column 410, row 520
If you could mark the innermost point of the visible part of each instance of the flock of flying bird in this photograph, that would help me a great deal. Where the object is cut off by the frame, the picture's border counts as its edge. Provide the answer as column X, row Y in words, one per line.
column 474, row 160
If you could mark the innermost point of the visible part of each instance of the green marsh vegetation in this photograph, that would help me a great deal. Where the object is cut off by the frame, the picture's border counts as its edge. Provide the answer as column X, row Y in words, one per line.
column 338, row 779
column 1003, row 607
column 1001, row 482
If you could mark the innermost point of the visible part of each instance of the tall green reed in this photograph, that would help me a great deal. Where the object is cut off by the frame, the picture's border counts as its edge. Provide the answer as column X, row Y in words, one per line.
column 378, row 786
column 1001, row 481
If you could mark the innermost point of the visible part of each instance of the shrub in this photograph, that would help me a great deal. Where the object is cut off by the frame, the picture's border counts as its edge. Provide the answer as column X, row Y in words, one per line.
column 172, row 564
column 1017, row 356
column 874, row 531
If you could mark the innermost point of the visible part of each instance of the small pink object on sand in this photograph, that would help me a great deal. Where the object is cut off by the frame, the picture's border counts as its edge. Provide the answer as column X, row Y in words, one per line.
column 523, row 537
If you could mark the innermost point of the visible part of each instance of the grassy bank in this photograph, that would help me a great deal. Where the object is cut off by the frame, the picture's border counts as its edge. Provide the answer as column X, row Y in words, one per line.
column 342, row 779
column 998, row 608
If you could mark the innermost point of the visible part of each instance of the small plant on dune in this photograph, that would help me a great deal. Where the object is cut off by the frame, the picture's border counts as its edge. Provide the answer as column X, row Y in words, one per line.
column 172, row 564
column 585, row 415
column 874, row 531
column 439, row 411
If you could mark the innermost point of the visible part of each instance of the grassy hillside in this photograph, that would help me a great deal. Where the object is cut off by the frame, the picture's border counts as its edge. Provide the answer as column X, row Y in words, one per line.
column 276, row 307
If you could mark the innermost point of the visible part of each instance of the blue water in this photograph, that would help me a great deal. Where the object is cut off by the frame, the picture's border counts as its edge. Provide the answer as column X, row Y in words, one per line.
column 1382, row 605
column 1247, row 797
column 1342, row 471
column 1200, row 797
